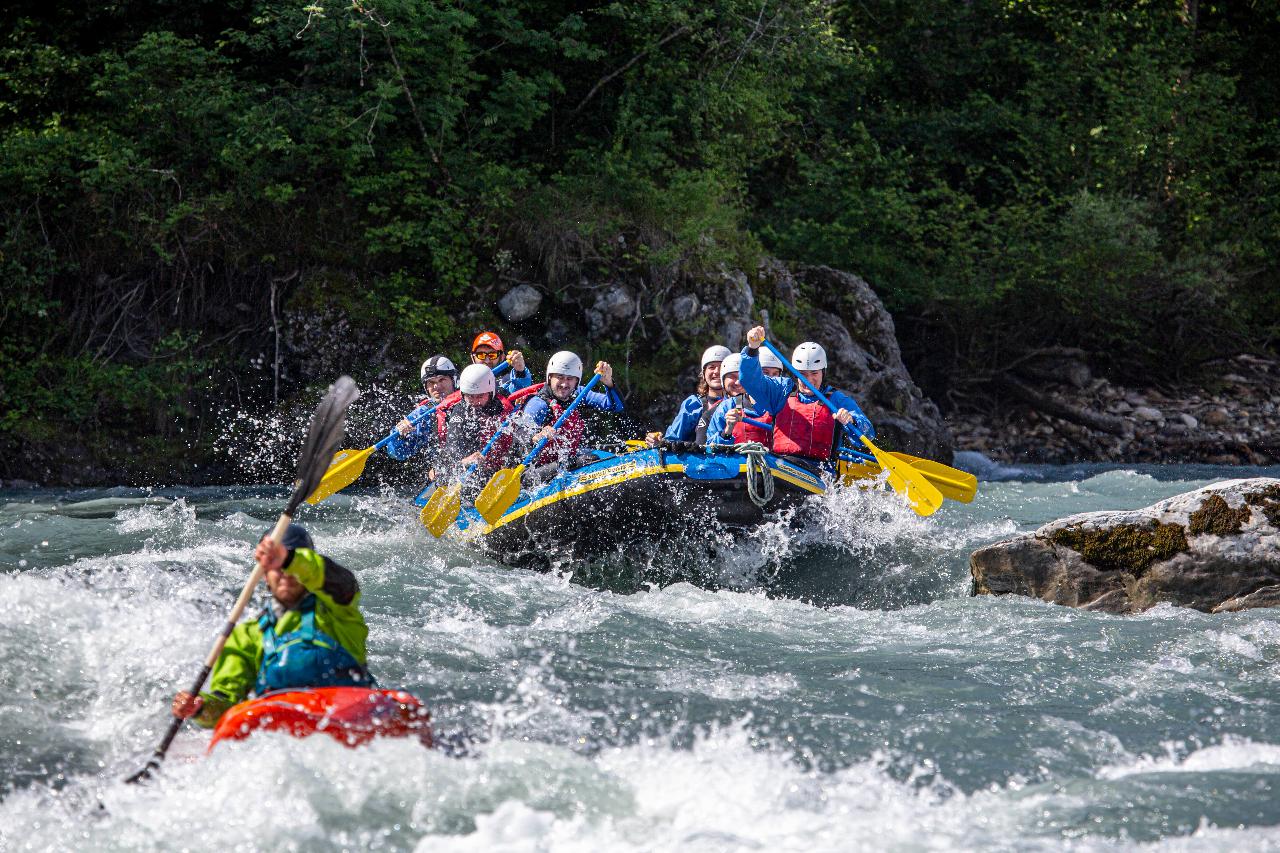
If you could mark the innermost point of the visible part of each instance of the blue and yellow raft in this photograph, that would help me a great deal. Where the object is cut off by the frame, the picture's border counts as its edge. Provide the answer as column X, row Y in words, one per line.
column 645, row 491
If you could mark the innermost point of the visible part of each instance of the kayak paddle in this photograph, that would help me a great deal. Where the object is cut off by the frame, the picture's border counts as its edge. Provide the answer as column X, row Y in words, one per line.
column 503, row 487
column 325, row 434
column 348, row 465
column 922, row 495
column 442, row 508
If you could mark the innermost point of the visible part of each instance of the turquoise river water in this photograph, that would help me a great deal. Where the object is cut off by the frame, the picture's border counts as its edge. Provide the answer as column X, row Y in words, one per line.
column 866, row 703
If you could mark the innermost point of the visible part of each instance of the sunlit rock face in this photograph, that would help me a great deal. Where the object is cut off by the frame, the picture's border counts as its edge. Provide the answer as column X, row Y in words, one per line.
column 1214, row 549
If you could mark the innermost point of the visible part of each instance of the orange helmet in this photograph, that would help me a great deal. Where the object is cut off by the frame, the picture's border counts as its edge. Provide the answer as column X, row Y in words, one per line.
column 488, row 339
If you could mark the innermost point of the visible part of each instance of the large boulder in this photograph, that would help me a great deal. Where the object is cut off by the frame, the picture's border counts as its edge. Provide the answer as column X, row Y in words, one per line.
column 1215, row 549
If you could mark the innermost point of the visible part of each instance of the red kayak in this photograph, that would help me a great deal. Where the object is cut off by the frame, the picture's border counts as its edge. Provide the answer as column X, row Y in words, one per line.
column 350, row 715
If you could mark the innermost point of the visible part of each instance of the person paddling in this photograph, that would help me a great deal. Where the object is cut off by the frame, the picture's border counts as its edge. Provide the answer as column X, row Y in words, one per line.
column 564, row 376
column 487, row 349
column 730, row 423
column 312, row 635
column 694, row 414
column 802, row 424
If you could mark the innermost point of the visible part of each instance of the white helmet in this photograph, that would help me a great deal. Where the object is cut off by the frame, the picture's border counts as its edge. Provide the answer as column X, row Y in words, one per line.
column 809, row 356
column 767, row 359
column 713, row 354
column 565, row 363
column 438, row 365
column 732, row 364
column 477, row 379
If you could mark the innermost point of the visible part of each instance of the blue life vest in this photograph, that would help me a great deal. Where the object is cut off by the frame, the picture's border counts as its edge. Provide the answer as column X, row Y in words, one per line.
column 305, row 657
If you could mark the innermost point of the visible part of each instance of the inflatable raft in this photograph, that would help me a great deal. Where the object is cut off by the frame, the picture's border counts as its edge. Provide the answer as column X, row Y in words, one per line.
column 350, row 715
column 645, row 492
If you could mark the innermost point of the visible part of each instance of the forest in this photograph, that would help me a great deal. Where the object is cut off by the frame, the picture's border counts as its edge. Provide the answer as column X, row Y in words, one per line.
column 184, row 180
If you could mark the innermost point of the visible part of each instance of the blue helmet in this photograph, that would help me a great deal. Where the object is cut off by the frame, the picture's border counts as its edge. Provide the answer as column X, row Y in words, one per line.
column 296, row 536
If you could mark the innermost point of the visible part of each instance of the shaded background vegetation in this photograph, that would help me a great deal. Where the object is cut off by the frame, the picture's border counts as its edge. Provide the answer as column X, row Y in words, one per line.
column 183, row 180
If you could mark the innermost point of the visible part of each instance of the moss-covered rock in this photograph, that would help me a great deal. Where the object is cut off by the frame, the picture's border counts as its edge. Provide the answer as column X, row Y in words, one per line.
column 1216, row 516
column 1126, row 547
column 1124, row 561
column 1268, row 501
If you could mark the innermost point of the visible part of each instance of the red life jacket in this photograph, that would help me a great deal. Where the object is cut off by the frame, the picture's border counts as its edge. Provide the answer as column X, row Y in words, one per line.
column 448, row 403
column 804, row 429
column 565, row 445
column 743, row 431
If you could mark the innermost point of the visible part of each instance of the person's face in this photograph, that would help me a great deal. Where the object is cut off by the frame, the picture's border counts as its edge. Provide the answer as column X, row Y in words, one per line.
column 814, row 377
column 485, row 354
column 478, row 400
column 286, row 588
column 772, row 371
column 731, row 384
column 439, row 387
column 711, row 373
column 562, row 387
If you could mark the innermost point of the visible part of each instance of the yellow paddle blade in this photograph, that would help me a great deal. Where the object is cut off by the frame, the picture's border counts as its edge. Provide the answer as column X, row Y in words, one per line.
column 442, row 509
column 952, row 482
column 856, row 472
column 923, row 496
column 346, row 466
column 499, row 493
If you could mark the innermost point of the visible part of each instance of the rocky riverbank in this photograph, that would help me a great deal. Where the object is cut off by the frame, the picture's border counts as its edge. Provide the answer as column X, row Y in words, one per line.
column 1054, row 410
column 1215, row 549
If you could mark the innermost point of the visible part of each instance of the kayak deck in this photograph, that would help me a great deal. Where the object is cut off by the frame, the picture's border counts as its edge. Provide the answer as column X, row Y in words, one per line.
column 350, row 715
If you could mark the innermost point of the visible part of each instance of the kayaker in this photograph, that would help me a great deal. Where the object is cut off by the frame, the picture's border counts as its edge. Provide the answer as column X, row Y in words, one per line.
column 312, row 634
column 802, row 425
column 694, row 414
column 487, row 349
column 543, row 409
column 729, row 421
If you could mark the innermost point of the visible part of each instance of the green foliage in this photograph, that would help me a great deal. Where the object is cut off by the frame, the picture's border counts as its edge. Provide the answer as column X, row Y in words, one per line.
column 1007, row 175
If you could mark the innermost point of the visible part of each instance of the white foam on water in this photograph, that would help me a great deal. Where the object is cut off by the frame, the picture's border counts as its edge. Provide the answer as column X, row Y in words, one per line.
column 1232, row 754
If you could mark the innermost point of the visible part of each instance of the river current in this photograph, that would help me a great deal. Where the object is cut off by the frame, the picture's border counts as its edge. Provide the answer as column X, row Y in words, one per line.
column 839, row 689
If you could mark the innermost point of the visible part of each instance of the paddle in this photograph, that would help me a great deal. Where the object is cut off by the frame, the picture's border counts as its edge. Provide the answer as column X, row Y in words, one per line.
column 922, row 495
column 442, row 508
column 348, row 465
column 951, row 482
column 323, row 438
column 503, row 487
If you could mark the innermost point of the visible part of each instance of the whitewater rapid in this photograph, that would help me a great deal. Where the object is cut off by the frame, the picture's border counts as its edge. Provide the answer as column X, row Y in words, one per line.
column 896, row 712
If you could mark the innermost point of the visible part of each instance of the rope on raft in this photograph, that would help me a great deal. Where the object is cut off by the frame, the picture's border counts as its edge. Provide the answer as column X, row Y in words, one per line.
column 759, row 478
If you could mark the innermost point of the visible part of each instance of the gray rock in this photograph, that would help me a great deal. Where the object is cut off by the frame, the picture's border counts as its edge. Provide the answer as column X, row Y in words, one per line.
column 613, row 311
column 1214, row 548
column 520, row 303
column 683, row 308
column 1147, row 413
column 1187, row 420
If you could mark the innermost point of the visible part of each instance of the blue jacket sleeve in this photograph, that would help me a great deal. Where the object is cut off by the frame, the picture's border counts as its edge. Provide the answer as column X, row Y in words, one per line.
column 715, row 429
column 769, row 392
column 842, row 400
column 523, row 379
column 537, row 412
column 607, row 400
column 402, row 447
column 684, row 425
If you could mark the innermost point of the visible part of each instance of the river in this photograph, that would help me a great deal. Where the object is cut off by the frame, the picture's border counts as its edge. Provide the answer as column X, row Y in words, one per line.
column 866, row 702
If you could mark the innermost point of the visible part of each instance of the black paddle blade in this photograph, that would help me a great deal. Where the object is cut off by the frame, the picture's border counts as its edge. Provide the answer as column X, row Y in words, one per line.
column 323, row 439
